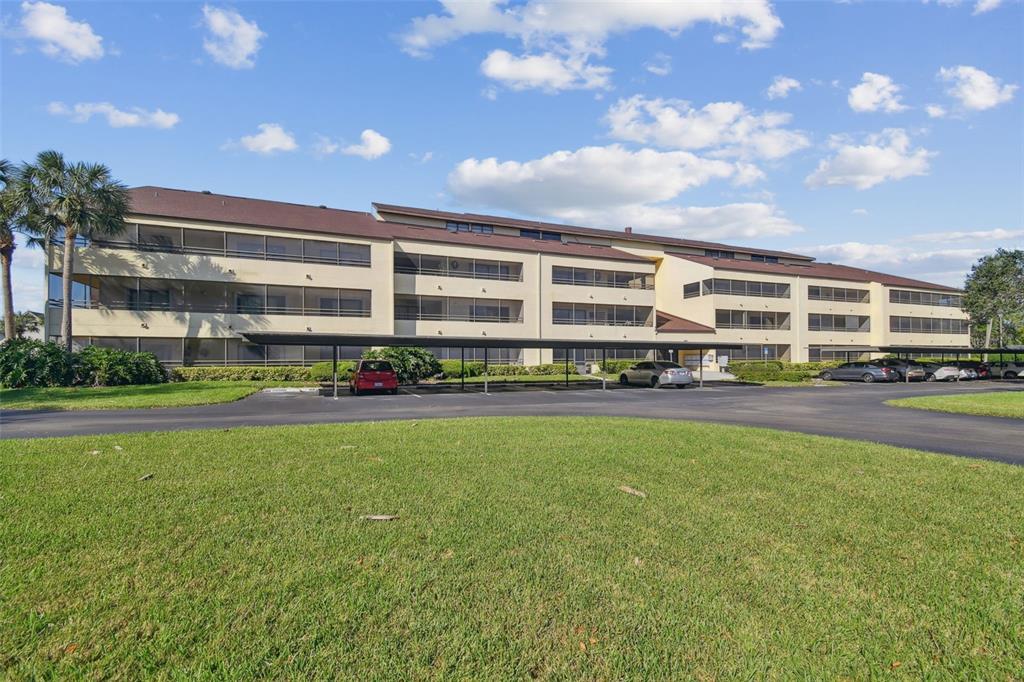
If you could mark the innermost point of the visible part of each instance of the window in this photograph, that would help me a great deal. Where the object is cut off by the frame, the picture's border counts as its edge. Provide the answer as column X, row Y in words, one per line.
column 818, row 293
column 451, row 266
column 751, row 319
column 538, row 234
column 457, row 308
column 925, row 298
column 691, row 290
column 838, row 323
column 601, row 278
column 203, row 242
column 927, row 325
column 245, row 245
column 354, row 254
column 165, row 350
column 495, row 356
column 602, row 315
column 315, row 251
column 283, row 248
column 739, row 287
column 767, row 351
column 159, row 238
column 758, row 258
column 715, row 253
column 831, row 353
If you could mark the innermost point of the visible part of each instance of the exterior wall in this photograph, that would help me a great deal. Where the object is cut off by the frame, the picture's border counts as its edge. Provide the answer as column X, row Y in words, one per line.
column 537, row 292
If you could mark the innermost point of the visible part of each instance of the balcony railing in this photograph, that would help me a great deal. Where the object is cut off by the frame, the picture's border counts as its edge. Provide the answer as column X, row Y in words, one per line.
column 852, row 330
column 457, row 317
column 602, row 323
column 778, row 327
column 217, row 309
column 633, row 284
column 226, row 252
column 442, row 272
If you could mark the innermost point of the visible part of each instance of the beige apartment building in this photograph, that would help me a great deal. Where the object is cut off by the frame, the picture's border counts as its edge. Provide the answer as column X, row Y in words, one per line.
column 194, row 271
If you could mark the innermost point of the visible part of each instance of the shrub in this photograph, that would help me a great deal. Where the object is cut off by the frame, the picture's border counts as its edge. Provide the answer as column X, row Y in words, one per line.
column 411, row 364
column 617, row 366
column 99, row 366
column 507, row 370
column 553, row 368
column 324, row 371
column 27, row 362
column 452, row 369
column 241, row 373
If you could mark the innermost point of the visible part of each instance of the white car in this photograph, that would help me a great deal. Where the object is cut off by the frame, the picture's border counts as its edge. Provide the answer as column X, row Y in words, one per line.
column 657, row 374
column 1007, row 370
column 940, row 373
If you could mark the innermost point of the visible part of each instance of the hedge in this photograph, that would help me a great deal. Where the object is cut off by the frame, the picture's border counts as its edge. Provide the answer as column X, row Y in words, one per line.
column 241, row 373
column 617, row 366
column 324, row 371
column 31, row 363
column 776, row 370
column 452, row 369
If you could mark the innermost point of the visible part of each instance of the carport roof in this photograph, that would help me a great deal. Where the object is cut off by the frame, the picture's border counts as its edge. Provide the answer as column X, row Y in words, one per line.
column 947, row 349
column 316, row 339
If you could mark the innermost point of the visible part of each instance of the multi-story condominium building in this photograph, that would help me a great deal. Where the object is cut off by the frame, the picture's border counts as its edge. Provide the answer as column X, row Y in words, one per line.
column 194, row 271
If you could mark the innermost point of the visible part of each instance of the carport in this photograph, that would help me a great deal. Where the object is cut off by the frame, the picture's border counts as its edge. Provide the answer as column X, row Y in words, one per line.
column 956, row 351
column 486, row 342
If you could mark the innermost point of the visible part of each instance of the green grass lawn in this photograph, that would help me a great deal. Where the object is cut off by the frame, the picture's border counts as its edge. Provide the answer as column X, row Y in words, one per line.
column 756, row 554
column 995, row 404
column 123, row 397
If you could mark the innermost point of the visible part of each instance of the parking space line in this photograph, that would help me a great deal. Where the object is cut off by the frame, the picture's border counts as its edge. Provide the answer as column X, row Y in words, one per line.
column 417, row 395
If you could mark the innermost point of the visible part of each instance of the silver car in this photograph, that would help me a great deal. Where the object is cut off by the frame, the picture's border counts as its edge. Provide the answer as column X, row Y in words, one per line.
column 657, row 374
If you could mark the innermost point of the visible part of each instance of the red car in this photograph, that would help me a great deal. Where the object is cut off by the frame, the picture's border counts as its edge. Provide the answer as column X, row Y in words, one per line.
column 373, row 375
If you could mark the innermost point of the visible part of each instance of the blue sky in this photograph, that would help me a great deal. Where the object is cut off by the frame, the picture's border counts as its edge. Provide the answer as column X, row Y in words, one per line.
column 881, row 134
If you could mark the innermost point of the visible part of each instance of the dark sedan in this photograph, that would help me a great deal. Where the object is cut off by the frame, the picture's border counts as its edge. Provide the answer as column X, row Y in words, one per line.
column 868, row 372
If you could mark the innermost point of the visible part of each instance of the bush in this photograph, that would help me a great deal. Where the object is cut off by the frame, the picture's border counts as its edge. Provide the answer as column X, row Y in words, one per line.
column 324, row 371
column 776, row 370
column 617, row 366
column 411, row 364
column 243, row 373
column 452, row 369
column 26, row 362
column 99, row 366
column 507, row 370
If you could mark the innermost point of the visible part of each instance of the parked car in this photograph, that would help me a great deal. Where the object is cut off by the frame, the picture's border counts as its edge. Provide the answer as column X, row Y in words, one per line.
column 1007, row 370
column 982, row 368
column 938, row 372
column 968, row 374
column 657, row 374
column 902, row 367
column 868, row 372
column 373, row 375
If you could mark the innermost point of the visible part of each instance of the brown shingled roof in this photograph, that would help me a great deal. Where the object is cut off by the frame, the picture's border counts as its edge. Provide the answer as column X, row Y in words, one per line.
column 575, row 229
column 670, row 324
column 219, row 208
column 815, row 269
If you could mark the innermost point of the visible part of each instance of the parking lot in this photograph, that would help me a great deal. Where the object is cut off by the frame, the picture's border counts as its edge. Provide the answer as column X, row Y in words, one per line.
column 847, row 410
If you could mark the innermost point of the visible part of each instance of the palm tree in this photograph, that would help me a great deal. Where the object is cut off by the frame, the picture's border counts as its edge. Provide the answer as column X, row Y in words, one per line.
column 72, row 200
column 10, row 218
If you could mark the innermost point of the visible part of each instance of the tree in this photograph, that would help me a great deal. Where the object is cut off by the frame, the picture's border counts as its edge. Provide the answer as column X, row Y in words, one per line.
column 26, row 322
column 72, row 200
column 11, row 217
column 994, row 294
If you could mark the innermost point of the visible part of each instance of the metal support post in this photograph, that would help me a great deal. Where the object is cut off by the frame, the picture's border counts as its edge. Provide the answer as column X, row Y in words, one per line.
column 334, row 369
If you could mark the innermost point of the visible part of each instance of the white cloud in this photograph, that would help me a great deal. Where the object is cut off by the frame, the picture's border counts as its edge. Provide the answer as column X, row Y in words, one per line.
column 574, row 32
column 490, row 93
column 373, row 145
column 998, row 234
column 136, row 117
column 974, row 88
column 983, row 6
column 422, row 158
column 232, row 40
column 727, row 128
column 781, row 87
column 547, row 72
column 613, row 187
column 884, row 156
column 941, row 265
column 272, row 138
column 859, row 211
column 935, row 111
column 60, row 36
column 875, row 92
column 27, row 282
column 660, row 64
